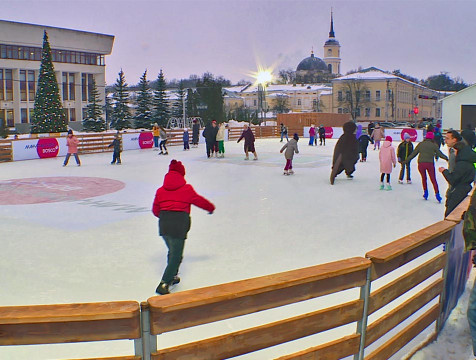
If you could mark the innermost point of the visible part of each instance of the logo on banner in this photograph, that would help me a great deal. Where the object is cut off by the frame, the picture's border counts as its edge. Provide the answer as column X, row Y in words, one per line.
column 329, row 132
column 47, row 148
column 146, row 140
column 411, row 132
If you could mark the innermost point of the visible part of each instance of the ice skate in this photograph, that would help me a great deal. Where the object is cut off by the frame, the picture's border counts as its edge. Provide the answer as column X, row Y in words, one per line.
column 161, row 153
column 409, row 181
column 382, row 186
column 286, row 172
column 291, row 172
column 425, row 195
column 113, row 163
column 247, row 158
column 350, row 177
column 389, row 187
column 438, row 197
column 255, row 158
column 162, row 289
column 175, row 280
column 166, row 153
column 400, row 181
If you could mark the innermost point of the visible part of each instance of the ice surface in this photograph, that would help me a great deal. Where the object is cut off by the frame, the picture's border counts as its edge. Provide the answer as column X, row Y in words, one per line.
column 107, row 248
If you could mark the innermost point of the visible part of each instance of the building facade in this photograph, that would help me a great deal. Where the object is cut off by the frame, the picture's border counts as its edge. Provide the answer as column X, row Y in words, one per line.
column 459, row 109
column 78, row 57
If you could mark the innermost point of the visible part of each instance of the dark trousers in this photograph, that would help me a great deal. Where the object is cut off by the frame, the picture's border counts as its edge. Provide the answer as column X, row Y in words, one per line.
column 364, row 153
column 425, row 167
column 68, row 155
column 174, row 257
column 186, row 146
column 162, row 144
column 402, row 171
column 212, row 146
column 116, row 156
column 382, row 177
column 322, row 140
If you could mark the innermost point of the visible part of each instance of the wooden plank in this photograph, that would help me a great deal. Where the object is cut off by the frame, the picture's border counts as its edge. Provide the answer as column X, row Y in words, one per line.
column 457, row 214
column 380, row 269
column 47, row 324
column 114, row 358
column 209, row 304
column 337, row 349
column 386, row 350
column 261, row 337
column 381, row 297
column 407, row 243
column 387, row 322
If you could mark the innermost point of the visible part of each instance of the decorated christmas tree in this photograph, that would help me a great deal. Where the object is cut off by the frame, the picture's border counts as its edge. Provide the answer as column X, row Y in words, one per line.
column 121, row 115
column 94, row 121
column 143, row 116
column 48, row 113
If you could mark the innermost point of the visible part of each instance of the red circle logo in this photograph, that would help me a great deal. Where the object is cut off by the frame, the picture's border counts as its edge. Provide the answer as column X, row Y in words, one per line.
column 55, row 189
column 146, row 140
column 47, row 148
column 329, row 132
column 412, row 132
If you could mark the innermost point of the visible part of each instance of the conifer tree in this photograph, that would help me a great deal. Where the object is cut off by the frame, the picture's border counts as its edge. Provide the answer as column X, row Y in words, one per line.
column 121, row 115
column 143, row 116
column 48, row 113
column 3, row 129
column 177, row 110
column 94, row 121
column 161, row 108
column 191, row 104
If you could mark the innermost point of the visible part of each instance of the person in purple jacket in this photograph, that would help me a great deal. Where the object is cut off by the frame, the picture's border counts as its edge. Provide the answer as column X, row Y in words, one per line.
column 312, row 134
column 247, row 134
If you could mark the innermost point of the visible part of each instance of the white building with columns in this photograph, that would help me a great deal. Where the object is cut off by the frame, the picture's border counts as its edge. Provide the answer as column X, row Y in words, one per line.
column 78, row 57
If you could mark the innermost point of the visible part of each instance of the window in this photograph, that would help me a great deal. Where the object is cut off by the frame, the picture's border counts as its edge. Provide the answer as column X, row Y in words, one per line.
column 65, row 86
column 31, row 85
column 377, row 95
column 389, row 94
column 367, row 95
column 84, row 89
column 377, row 112
column 339, row 110
column 30, row 114
column 314, row 102
column 8, row 85
column 2, row 88
column 254, row 102
column 357, row 95
column 339, row 96
column 23, row 96
column 329, row 52
column 10, row 118
column 347, row 95
column 367, row 112
column 346, row 111
column 299, row 102
column 329, row 67
column 72, row 114
column 24, row 116
column 357, row 112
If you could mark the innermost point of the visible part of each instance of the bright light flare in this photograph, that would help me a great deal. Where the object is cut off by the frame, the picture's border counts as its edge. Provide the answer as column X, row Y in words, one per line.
column 263, row 76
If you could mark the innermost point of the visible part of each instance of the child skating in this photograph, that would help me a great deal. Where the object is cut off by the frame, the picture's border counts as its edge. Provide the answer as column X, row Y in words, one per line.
column 291, row 147
column 116, row 155
column 388, row 161
column 403, row 152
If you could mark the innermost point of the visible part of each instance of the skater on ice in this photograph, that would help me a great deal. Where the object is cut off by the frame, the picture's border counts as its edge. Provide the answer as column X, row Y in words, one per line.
column 172, row 206
column 210, row 134
column 377, row 135
column 116, row 155
column 388, row 161
column 312, row 134
column 156, row 135
column 291, row 147
column 322, row 135
column 405, row 148
column 72, row 143
column 346, row 152
column 185, row 139
column 249, row 146
column 364, row 140
column 195, row 133
column 427, row 150
column 221, row 140
column 163, row 141
column 284, row 132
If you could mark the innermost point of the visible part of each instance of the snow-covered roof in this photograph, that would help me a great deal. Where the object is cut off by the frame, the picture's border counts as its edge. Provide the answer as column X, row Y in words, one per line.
column 457, row 92
column 283, row 87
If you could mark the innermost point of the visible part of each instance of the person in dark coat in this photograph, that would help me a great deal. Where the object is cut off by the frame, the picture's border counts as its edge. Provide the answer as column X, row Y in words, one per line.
column 370, row 128
column 346, row 152
column 461, row 178
column 195, row 133
column 249, row 146
column 210, row 135
column 116, row 155
column 322, row 135
column 186, row 138
column 403, row 152
column 364, row 140
column 172, row 204
column 284, row 132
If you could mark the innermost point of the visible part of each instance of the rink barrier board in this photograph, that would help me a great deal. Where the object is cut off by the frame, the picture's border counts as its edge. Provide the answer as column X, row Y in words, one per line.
column 6, row 151
column 159, row 313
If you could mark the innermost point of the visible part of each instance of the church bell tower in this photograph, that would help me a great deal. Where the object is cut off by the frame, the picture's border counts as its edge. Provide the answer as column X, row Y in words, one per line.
column 332, row 51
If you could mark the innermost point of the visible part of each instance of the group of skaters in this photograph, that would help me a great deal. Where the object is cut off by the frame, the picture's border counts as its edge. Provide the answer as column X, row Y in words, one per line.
column 314, row 134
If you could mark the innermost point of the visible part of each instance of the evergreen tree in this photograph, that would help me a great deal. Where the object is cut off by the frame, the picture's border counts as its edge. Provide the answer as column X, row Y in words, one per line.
column 120, row 113
column 108, row 109
column 94, row 120
column 211, row 98
column 161, row 108
column 143, row 116
column 48, row 113
column 177, row 110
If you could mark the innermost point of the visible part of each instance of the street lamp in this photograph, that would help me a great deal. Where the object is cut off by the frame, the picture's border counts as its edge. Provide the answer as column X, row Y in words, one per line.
column 263, row 77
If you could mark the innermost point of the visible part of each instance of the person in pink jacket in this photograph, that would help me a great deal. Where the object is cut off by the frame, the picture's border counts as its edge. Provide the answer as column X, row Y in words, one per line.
column 72, row 143
column 388, row 161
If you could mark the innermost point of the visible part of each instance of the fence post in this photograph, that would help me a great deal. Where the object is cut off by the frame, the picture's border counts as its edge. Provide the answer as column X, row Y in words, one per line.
column 147, row 344
column 362, row 324
column 448, row 245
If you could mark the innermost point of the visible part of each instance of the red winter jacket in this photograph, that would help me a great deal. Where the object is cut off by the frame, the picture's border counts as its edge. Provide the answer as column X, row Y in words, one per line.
column 177, row 195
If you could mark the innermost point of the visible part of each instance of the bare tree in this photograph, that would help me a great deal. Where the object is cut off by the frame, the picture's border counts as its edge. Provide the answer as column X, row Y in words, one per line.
column 287, row 76
column 352, row 97
column 281, row 104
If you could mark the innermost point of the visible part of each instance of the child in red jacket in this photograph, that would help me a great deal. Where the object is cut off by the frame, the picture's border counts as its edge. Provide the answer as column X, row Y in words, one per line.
column 172, row 207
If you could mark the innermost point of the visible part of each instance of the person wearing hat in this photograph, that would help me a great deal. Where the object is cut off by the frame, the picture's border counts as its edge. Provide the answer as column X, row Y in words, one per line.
column 322, row 135
column 210, row 134
column 377, row 135
column 291, row 147
column 405, row 148
column 364, row 140
column 116, row 143
column 72, row 143
column 195, row 133
column 388, row 161
column 249, row 146
column 312, row 134
column 156, row 133
column 426, row 151
column 171, row 205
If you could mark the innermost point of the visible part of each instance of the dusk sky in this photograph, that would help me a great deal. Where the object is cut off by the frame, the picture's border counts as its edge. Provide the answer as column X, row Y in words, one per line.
column 232, row 37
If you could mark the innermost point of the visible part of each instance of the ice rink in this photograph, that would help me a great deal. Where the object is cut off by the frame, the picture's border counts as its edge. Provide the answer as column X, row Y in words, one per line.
column 86, row 234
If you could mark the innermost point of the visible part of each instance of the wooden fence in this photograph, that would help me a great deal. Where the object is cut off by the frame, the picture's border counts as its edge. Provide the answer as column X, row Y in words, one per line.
column 6, row 153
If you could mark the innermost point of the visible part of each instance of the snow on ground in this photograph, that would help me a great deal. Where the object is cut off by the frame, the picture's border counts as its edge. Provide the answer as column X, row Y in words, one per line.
column 107, row 248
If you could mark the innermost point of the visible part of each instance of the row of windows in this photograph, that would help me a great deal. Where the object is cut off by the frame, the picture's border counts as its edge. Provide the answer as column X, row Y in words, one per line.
column 64, row 56
column 367, row 95
column 28, row 85
column 26, row 115
column 358, row 112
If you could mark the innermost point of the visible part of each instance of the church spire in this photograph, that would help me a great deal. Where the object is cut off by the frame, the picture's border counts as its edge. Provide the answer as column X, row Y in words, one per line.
column 331, row 33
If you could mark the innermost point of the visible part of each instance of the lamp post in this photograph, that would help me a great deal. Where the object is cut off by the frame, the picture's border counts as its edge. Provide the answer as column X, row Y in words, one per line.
column 263, row 77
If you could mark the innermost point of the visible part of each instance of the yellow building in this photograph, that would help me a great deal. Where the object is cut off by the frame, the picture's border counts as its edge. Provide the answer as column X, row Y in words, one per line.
column 374, row 95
